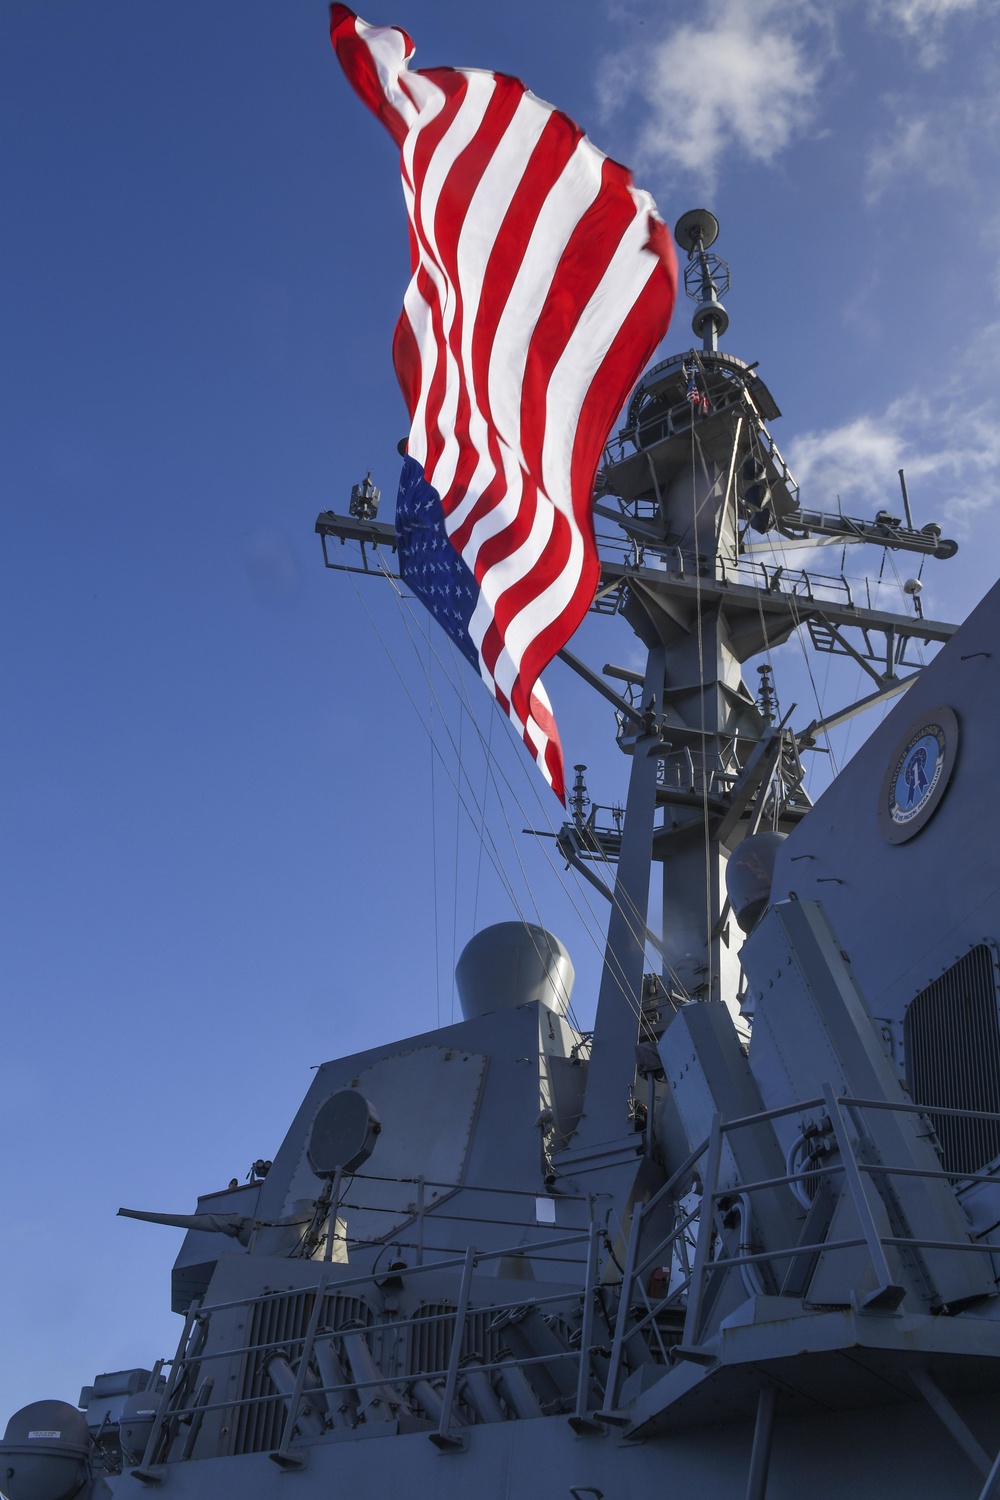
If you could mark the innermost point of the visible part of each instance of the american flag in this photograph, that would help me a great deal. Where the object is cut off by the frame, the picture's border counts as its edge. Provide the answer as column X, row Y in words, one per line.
column 698, row 401
column 542, row 281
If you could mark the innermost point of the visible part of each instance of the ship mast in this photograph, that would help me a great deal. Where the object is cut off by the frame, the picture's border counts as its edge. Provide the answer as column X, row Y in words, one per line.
column 693, row 481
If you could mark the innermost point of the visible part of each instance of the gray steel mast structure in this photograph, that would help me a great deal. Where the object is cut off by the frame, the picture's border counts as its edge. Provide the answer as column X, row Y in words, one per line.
column 485, row 1262
column 693, row 472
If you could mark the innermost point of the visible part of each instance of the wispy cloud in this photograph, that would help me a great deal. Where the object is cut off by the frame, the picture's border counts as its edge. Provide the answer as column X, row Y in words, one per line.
column 949, row 445
column 740, row 83
column 924, row 21
column 914, row 147
column 739, row 80
column 938, row 139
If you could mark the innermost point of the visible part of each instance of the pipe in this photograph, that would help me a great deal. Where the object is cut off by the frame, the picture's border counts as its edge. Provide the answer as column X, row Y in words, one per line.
column 478, row 1392
column 282, row 1377
column 516, row 1389
column 341, row 1401
column 380, row 1401
column 531, row 1337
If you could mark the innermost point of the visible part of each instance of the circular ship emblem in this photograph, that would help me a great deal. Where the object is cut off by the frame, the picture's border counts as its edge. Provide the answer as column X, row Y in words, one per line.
column 918, row 774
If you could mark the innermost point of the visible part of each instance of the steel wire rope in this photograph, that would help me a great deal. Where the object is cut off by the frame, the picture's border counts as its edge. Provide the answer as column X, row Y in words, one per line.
column 849, row 730
column 407, row 616
column 765, row 636
column 638, row 928
column 796, row 614
column 514, row 844
column 454, row 910
column 857, row 578
column 592, row 927
column 638, row 933
column 709, row 915
column 486, row 791
column 778, row 545
column 434, row 865
column 797, row 617
column 918, row 644
column 457, row 685
column 492, row 852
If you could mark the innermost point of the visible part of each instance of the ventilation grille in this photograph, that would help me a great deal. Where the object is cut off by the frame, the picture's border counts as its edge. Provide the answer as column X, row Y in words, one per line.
column 434, row 1329
column 952, row 1039
column 280, row 1321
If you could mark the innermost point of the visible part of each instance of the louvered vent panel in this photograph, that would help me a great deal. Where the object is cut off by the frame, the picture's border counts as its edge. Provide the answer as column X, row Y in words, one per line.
column 281, row 1322
column 952, row 1039
column 434, row 1329
column 274, row 1321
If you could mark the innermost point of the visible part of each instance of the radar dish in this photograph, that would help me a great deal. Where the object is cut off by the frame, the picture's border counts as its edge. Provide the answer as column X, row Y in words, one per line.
column 343, row 1135
column 697, row 224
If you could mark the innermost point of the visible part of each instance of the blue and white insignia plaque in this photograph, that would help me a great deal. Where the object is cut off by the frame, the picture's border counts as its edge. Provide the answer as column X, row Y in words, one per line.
column 918, row 774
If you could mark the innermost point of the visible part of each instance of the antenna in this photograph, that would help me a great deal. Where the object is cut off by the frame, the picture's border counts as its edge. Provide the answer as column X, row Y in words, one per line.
column 706, row 277
column 906, row 499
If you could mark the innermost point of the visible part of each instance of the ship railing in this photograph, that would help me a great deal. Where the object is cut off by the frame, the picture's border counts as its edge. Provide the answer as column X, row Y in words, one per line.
column 424, row 1210
column 775, row 577
column 681, row 1263
column 186, row 1404
column 767, row 575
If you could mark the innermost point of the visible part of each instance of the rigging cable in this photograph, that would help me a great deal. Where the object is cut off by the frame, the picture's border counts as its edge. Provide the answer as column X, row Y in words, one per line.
column 593, row 925
column 434, row 862
column 498, row 865
column 486, row 792
column 589, row 920
column 454, row 909
column 709, row 915
column 492, row 852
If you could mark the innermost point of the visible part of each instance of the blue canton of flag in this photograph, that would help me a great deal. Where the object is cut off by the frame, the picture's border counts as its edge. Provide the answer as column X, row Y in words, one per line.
column 429, row 563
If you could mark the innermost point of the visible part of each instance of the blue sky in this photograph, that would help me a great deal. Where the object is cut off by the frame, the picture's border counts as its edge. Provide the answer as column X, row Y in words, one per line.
column 225, row 855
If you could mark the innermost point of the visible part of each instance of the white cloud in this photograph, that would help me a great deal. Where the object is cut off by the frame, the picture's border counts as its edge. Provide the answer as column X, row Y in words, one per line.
column 918, row 147
column 948, row 444
column 943, row 141
column 923, row 21
column 917, row 15
column 741, row 80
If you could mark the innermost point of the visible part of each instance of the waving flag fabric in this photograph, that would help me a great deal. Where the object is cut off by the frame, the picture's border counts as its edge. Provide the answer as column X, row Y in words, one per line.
column 542, row 281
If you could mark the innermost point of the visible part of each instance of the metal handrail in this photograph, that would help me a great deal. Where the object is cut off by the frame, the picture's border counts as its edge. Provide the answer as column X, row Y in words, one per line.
column 232, row 1402
column 629, row 1326
column 335, row 1283
column 395, row 1325
column 632, row 1321
column 329, row 1284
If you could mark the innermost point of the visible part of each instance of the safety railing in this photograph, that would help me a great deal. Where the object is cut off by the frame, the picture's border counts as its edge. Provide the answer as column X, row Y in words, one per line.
column 410, row 1221
column 444, row 1396
column 680, row 1263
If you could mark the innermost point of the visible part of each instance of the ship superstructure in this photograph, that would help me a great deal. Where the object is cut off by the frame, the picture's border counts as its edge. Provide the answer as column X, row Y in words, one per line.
column 741, row 1240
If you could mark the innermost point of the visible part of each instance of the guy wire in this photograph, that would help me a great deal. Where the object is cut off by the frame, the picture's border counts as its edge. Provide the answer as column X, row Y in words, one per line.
column 638, row 931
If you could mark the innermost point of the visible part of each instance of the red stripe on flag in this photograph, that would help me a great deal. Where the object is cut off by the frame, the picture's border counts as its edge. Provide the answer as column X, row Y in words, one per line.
column 357, row 62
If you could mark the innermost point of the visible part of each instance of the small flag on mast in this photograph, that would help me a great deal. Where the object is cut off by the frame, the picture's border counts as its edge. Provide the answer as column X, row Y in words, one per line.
column 697, row 399
column 542, row 281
